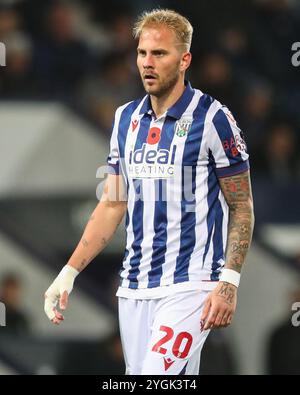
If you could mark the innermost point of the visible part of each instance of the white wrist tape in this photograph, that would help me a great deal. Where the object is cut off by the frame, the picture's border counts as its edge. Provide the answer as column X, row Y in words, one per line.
column 230, row 276
column 63, row 282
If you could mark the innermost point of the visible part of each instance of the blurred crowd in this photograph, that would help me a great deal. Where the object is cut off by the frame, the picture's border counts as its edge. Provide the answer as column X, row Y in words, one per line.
column 16, row 319
column 83, row 53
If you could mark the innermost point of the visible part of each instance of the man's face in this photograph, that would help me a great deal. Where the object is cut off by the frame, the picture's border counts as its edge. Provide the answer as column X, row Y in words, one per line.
column 160, row 60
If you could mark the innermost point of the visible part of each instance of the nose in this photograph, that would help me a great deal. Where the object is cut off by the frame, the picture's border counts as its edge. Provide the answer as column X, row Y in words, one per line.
column 148, row 62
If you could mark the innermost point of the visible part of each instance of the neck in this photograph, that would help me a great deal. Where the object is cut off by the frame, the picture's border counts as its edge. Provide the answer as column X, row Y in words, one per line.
column 162, row 103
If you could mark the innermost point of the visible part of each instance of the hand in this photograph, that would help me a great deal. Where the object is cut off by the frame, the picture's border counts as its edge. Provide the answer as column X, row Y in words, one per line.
column 59, row 291
column 219, row 306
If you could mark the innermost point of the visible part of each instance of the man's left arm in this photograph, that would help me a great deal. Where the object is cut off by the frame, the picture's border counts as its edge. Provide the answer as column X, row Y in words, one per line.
column 221, row 303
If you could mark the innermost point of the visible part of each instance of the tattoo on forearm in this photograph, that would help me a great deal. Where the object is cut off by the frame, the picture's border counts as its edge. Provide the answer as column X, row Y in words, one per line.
column 84, row 242
column 243, row 245
column 104, row 241
column 227, row 292
column 237, row 187
column 83, row 264
column 237, row 192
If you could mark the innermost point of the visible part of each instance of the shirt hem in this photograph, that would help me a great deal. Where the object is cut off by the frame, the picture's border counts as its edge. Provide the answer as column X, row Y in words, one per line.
column 160, row 292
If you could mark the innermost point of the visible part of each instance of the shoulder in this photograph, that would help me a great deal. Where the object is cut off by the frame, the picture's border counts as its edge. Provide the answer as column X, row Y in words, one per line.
column 207, row 107
column 124, row 113
column 129, row 107
column 217, row 113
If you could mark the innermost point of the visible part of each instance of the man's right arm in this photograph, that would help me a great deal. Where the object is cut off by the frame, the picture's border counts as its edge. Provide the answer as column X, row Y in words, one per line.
column 102, row 224
column 99, row 230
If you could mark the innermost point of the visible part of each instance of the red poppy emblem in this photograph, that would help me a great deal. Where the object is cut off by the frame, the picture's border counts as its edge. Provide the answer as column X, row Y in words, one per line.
column 153, row 136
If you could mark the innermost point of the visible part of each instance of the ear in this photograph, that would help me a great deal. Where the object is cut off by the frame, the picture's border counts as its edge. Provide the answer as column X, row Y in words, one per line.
column 185, row 61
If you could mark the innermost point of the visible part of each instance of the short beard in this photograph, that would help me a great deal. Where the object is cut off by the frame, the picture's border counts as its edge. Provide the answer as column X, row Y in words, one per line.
column 166, row 87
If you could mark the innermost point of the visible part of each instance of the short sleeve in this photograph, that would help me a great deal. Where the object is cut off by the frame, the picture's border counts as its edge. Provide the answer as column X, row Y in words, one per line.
column 227, row 144
column 113, row 159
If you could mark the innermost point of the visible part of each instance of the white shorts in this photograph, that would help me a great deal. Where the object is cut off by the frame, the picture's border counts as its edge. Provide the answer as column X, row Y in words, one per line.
column 163, row 336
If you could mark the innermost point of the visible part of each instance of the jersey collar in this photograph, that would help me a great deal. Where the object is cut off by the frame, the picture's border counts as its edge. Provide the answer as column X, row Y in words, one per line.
column 178, row 108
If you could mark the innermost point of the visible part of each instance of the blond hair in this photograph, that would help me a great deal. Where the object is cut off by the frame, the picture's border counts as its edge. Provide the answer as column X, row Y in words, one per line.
column 169, row 18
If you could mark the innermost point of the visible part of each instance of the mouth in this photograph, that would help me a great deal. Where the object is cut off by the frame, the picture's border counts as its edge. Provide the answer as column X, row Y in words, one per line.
column 149, row 77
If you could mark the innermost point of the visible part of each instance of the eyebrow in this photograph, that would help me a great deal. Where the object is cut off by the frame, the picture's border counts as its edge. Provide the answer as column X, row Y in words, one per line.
column 153, row 50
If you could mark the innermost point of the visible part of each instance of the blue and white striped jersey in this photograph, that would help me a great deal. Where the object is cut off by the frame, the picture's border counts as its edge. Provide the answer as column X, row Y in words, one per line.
column 177, row 216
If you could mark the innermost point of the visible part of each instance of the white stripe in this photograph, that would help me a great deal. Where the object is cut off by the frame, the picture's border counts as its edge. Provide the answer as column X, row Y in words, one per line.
column 114, row 146
column 130, row 142
column 201, row 229
column 212, row 140
column 149, row 210
column 236, row 131
column 210, row 253
column 174, row 195
column 225, row 220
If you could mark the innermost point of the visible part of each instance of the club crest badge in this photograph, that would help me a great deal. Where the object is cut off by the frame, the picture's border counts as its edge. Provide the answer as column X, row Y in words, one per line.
column 182, row 127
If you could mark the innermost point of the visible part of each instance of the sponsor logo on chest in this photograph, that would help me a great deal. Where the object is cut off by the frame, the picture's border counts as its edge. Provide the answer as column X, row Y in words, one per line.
column 148, row 162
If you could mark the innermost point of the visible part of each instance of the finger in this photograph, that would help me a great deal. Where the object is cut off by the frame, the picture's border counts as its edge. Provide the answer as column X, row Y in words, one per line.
column 58, row 315
column 229, row 320
column 206, row 309
column 211, row 319
column 218, row 320
column 227, row 314
column 63, row 303
column 49, row 307
column 56, row 321
column 226, row 319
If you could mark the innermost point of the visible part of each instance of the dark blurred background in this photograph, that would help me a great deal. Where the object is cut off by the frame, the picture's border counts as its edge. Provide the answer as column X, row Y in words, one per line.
column 69, row 65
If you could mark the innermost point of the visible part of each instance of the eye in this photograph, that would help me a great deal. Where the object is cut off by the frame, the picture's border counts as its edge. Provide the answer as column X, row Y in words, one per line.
column 159, row 54
column 141, row 52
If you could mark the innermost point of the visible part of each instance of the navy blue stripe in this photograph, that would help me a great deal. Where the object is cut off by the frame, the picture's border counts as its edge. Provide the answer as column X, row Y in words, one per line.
column 217, row 242
column 113, row 169
column 226, row 136
column 122, row 268
column 215, row 217
column 109, row 157
column 178, row 109
column 138, row 210
column 212, row 196
column 213, row 211
column 159, row 245
column 188, row 216
column 230, row 171
column 183, row 370
column 124, row 126
column 146, row 105
column 127, row 222
column 137, row 226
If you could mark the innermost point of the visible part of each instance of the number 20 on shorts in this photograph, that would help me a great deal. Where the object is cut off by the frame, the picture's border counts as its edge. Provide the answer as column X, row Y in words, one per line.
column 180, row 338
